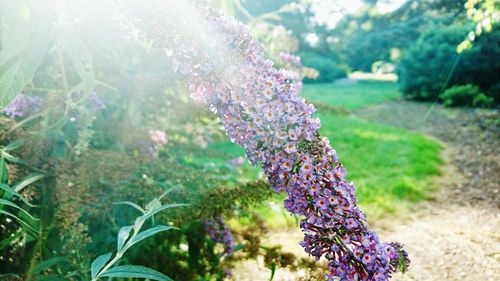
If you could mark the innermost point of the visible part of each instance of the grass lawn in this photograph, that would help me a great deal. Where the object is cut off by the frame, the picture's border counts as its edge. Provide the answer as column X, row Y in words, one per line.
column 391, row 167
column 352, row 96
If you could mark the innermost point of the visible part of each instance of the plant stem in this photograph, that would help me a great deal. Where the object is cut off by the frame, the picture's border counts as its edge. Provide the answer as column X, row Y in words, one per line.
column 63, row 69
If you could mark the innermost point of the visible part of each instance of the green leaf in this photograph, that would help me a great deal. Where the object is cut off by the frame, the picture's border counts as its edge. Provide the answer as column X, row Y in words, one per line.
column 14, row 145
column 273, row 271
column 123, row 235
column 80, row 57
column 98, row 264
column 46, row 264
column 159, row 209
column 51, row 277
column 130, row 204
column 134, row 271
column 4, row 173
column 9, row 203
column 6, row 242
column 140, row 220
column 147, row 233
column 12, row 158
column 25, row 40
column 12, row 192
column 19, row 220
column 27, row 181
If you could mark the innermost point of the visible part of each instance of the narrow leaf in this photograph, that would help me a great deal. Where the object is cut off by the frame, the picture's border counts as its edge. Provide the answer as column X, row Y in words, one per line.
column 46, row 264
column 273, row 271
column 134, row 271
column 131, row 204
column 51, row 277
column 14, row 205
column 14, row 145
column 27, row 181
column 98, row 264
column 164, row 207
column 4, row 173
column 123, row 235
column 19, row 220
column 166, row 192
column 6, row 242
column 12, row 158
column 12, row 192
column 147, row 233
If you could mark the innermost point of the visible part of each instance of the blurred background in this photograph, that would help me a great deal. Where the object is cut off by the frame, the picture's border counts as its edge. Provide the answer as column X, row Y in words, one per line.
column 93, row 114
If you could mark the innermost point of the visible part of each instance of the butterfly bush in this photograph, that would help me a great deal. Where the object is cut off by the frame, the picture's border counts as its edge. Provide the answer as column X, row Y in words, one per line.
column 219, row 232
column 23, row 106
column 262, row 111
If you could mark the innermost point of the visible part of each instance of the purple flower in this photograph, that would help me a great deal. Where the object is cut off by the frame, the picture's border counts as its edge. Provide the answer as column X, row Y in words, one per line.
column 287, row 165
column 322, row 204
column 290, row 148
column 156, row 139
column 219, row 232
column 92, row 100
column 351, row 223
column 22, row 106
column 95, row 102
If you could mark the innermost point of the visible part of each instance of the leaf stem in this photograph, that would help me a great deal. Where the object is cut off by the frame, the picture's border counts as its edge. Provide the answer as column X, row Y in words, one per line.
column 63, row 69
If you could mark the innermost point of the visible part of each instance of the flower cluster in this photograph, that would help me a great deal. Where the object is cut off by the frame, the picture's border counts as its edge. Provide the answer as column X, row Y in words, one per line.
column 262, row 111
column 220, row 233
column 22, row 106
column 92, row 100
column 156, row 139
column 290, row 58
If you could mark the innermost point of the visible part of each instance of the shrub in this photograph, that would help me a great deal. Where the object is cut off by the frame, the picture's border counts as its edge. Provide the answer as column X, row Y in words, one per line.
column 466, row 95
column 425, row 66
column 328, row 68
column 494, row 92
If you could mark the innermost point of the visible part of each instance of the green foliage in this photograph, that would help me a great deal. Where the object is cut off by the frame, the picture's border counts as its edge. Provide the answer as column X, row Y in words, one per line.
column 13, row 204
column 92, row 156
column 352, row 96
column 426, row 65
column 128, row 236
column 466, row 95
column 328, row 68
column 26, row 34
column 485, row 13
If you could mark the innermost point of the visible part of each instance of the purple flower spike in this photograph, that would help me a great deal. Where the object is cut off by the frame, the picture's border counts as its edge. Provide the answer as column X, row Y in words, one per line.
column 262, row 111
column 219, row 232
column 22, row 106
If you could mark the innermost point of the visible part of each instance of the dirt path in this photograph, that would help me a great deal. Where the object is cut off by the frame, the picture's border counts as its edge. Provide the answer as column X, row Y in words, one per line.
column 454, row 236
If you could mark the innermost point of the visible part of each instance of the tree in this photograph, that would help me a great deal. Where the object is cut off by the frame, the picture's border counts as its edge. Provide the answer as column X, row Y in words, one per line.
column 424, row 69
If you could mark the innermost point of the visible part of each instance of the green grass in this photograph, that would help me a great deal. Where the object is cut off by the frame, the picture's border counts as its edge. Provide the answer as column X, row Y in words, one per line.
column 352, row 96
column 390, row 167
